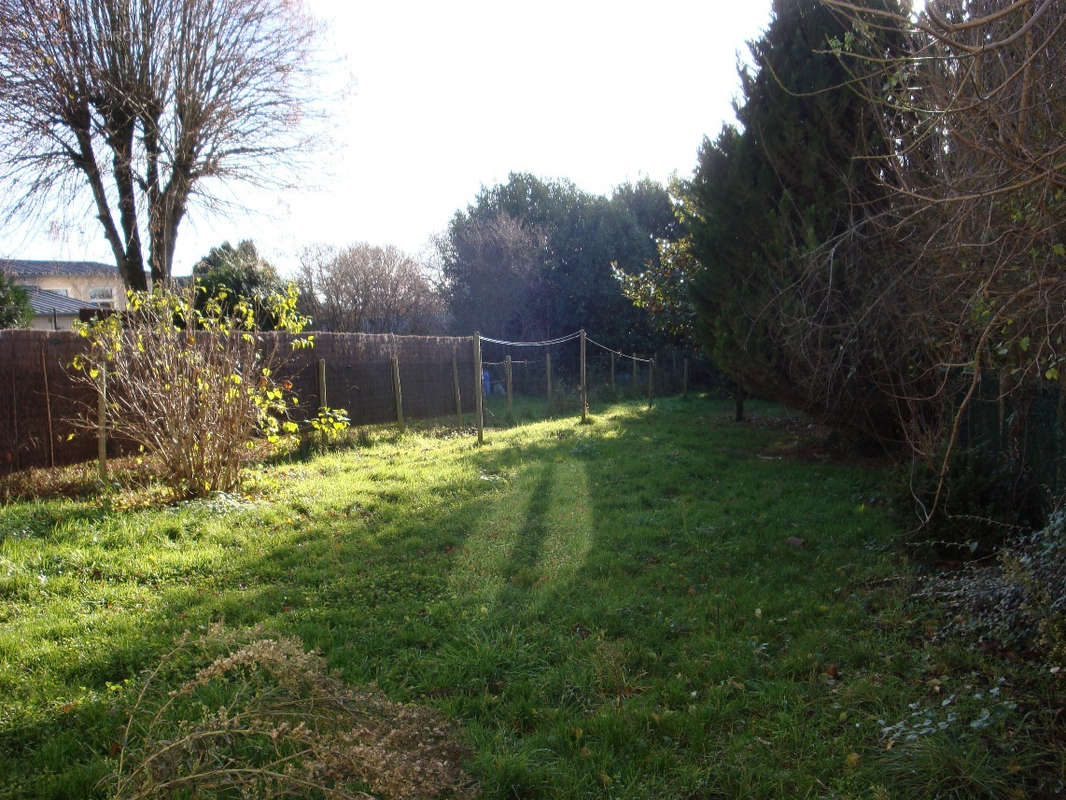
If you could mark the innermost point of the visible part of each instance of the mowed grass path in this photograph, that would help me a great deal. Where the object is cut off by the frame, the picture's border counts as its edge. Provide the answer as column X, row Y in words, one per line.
column 609, row 610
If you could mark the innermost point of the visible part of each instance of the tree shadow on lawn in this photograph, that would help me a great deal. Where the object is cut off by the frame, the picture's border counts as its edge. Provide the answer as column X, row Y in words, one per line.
column 526, row 613
column 490, row 608
column 339, row 583
column 681, row 582
column 370, row 596
column 691, row 649
column 41, row 520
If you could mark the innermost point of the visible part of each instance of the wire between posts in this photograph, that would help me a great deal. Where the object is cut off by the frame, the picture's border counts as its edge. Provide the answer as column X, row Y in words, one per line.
column 548, row 343
column 562, row 339
column 619, row 353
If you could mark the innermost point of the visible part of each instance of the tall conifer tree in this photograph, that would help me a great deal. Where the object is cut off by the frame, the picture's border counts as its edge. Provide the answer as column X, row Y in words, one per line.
column 765, row 196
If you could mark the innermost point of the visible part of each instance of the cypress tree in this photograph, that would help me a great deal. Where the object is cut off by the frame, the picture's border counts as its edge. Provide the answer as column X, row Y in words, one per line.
column 765, row 196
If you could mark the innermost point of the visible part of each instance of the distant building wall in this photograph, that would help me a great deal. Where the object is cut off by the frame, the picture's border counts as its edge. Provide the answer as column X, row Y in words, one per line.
column 101, row 290
column 46, row 322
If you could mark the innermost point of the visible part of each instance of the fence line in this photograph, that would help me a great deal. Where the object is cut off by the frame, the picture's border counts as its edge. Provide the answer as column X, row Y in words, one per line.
column 548, row 343
column 619, row 353
column 378, row 378
column 36, row 419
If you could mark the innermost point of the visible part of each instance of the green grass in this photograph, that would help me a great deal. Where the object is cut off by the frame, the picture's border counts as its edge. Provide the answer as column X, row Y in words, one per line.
column 608, row 610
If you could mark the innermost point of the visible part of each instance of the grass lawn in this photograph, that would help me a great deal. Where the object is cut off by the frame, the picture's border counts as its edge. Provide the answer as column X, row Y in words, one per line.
column 607, row 610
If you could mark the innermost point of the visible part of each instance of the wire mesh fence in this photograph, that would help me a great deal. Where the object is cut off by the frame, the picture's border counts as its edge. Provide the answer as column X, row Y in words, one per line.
column 377, row 378
column 610, row 374
column 1010, row 455
column 40, row 402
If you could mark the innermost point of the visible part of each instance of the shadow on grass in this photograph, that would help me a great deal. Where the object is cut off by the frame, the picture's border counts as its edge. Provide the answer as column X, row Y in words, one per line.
column 527, row 608
column 41, row 520
column 518, row 571
column 357, row 588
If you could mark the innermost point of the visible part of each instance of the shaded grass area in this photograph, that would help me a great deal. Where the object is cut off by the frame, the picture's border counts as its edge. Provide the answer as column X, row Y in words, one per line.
column 609, row 610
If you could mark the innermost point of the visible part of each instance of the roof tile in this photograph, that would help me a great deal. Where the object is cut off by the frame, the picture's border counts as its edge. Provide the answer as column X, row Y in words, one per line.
column 44, row 302
column 28, row 268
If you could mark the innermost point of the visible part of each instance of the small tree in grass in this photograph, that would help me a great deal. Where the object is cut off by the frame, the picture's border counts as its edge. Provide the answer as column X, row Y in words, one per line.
column 193, row 382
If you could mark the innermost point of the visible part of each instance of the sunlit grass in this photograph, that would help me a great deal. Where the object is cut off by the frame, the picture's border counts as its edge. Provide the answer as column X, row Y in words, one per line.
column 606, row 610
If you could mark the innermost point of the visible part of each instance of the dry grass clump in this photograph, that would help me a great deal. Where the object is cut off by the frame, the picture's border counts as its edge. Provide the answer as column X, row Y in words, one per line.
column 268, row 719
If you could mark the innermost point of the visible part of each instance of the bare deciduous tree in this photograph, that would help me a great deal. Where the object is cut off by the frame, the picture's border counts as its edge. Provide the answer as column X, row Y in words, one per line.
column 135, row 103
column 368, row 289
column 494, row 276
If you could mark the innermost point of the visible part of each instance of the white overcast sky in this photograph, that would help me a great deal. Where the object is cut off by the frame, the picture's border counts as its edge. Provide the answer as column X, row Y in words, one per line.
column 450, row 96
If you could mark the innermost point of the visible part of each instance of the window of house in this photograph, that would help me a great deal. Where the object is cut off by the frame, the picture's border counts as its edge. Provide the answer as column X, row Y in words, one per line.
column 103, row 296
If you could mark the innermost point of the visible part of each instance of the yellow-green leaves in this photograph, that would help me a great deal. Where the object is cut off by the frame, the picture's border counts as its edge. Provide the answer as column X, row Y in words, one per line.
column 188, row 380
column 330, row 422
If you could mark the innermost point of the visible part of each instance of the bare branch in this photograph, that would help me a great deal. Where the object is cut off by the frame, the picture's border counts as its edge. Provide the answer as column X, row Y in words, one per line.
column 175, row 91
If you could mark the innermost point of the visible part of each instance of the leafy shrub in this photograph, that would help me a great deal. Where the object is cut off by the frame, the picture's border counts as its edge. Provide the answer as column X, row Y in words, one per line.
column 330, row 429
column 1019, row 603
column 192, row 384
column 328, row 425
column 266, row 718
column 15, row 310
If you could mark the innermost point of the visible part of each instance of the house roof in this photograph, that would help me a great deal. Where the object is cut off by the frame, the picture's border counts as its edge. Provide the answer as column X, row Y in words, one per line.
column 44, row 302
column 25, row 268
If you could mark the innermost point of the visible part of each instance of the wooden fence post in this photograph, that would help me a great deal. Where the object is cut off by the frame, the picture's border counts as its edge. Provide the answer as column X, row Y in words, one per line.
column 15, row 420
column 584, row 386
column 507, row 374
column 635, row 389
column 651, row 380
column 48, row 412
column 458, row 395
column 548, row 372
column 479, row 402
column 612, row 372
column 101, row 423
column 398, row 392
column 684, row 379
column 322, row 383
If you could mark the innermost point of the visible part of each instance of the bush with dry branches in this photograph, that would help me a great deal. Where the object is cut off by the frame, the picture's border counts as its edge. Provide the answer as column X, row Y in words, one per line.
column 883, row 244
column 960, row 261
column 192, row 385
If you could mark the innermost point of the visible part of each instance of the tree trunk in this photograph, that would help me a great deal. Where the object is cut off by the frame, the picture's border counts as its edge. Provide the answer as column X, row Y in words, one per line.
column 122, row 146
column 131, row 271
column 163, row 237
